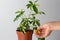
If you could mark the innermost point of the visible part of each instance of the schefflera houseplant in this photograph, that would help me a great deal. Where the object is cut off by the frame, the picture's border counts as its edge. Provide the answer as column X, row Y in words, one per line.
column 28, row 24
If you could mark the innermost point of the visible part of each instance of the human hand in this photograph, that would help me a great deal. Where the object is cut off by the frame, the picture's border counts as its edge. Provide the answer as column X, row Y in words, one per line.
column 43, row 31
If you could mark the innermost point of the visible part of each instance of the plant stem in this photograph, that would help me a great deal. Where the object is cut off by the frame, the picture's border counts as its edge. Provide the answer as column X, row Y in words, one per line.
column 41, row 38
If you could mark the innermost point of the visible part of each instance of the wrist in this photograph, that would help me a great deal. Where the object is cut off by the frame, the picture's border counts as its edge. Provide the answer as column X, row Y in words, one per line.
column 50, row 26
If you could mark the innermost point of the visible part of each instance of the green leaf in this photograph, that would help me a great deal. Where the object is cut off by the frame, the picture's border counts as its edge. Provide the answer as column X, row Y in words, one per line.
column 19, row 15
column 16, row 17
column 31, row 2
column 23, row 30
column 27, row 27
column 18, row 12
column 35, row 9
column 31, row 7
column 41, row 13
column 38, row 23
column 34, row 28
column 33, row 14
column 22, row 20
column 33, row 23
column 18, row 28
column 36, row 0
column 25, row 23
column 41, row 38
column 33, row 17
column 28, row 5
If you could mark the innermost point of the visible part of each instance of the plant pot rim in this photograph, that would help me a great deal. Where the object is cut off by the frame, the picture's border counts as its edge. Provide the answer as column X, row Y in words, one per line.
column 26, row 31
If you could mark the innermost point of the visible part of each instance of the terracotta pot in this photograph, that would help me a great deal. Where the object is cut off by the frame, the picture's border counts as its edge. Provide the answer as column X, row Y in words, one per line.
column 26, row 36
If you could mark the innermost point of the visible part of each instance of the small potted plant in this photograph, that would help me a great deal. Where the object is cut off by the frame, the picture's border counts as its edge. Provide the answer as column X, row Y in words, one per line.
column 28, row 24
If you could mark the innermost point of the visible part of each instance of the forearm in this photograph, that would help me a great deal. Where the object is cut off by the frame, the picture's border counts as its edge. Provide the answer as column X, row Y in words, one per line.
column 55, row 25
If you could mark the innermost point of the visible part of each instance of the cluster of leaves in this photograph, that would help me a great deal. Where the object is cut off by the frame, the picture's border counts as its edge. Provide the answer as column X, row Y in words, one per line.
column 24, row 25
column 33, row 6
column 19, row 14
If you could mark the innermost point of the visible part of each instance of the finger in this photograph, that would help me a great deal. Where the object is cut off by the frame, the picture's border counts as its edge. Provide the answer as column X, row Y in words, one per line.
column 40, row 32
column 47, row 32
column 44, row 32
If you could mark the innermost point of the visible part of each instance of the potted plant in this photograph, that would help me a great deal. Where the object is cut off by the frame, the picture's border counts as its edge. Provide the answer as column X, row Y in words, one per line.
column 28, row 24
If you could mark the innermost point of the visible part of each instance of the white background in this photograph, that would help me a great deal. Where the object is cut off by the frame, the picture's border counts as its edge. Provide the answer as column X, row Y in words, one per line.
column 7, row 13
